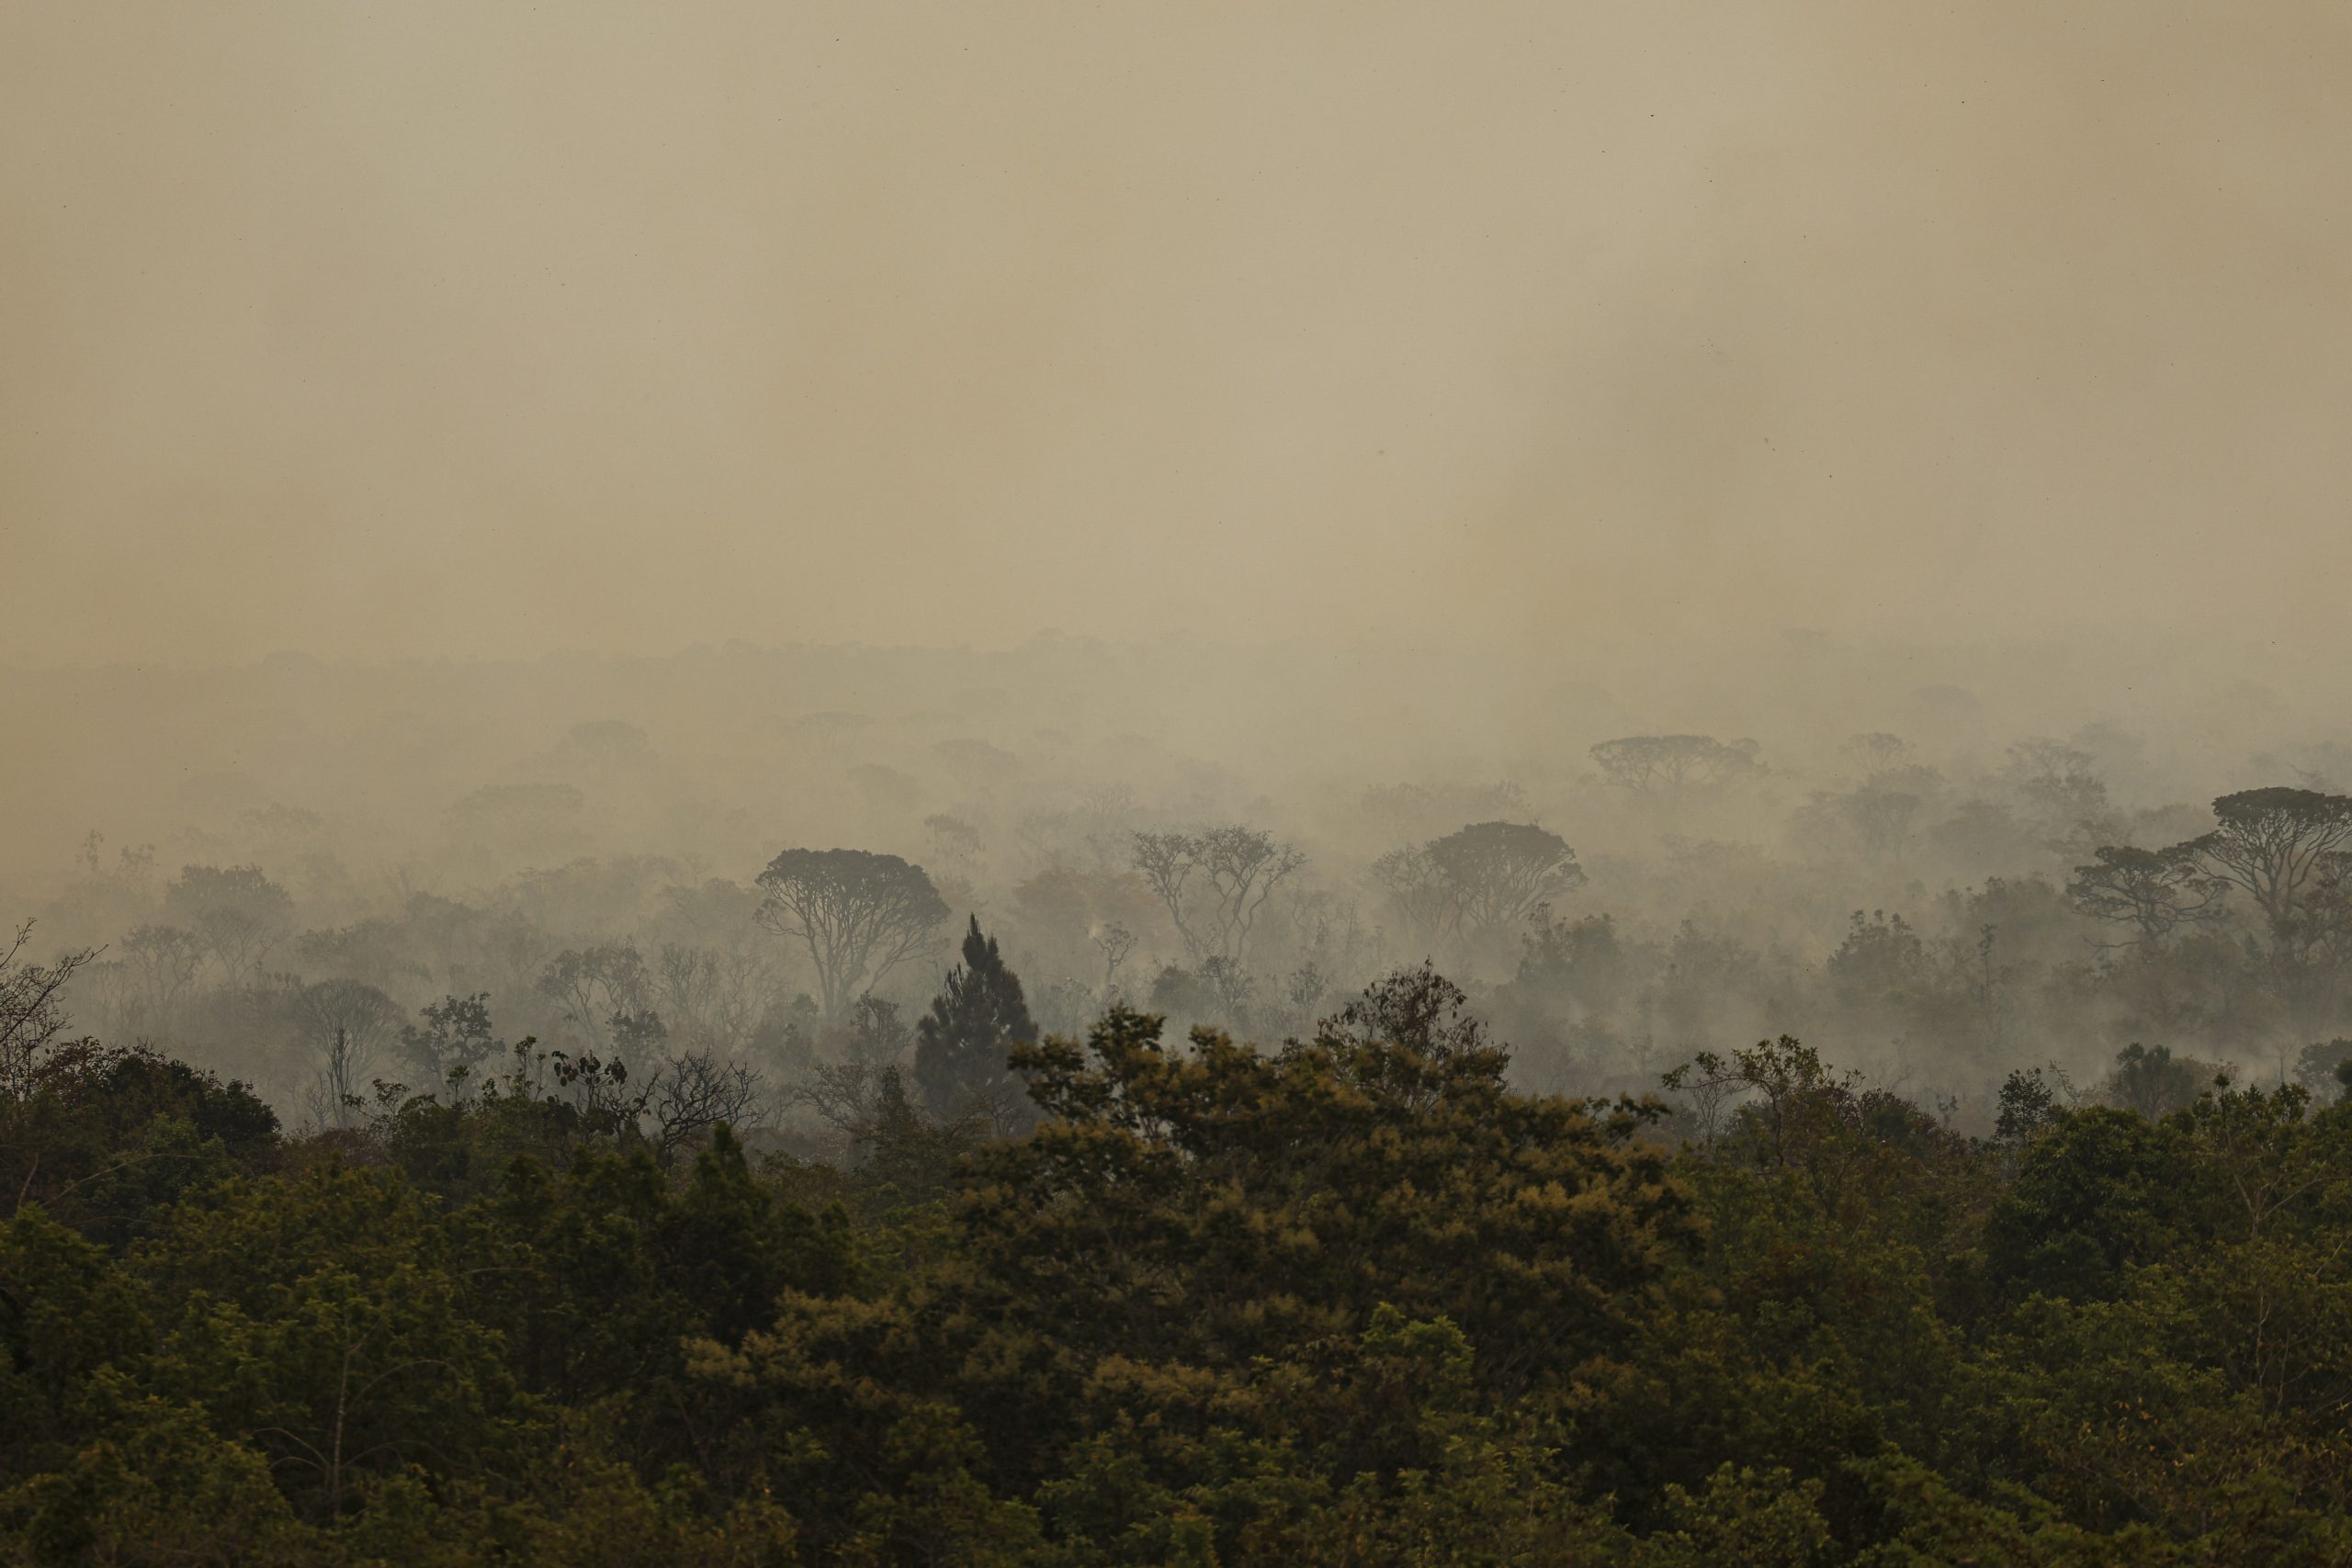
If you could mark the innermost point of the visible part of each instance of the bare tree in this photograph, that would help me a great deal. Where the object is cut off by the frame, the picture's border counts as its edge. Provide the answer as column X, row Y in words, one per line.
column 236, row 912
column 687, row 980
column 349, row 1020
column 155, row 968
column 334, row 1099
column 714, row 996
column 1672, row 765
column 32, row 1009
column 843, row 1094
column 351, row 1007
column 1214, row 882
column 598, row 986
column 696, row 1092
column 1327, row 932
column 1113, row 941
column 860, row 915
column 1166, row 862
column 1306, row 988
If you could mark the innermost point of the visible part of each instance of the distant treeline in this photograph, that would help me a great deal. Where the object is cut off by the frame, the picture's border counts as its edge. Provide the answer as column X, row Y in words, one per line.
column 2223, row 932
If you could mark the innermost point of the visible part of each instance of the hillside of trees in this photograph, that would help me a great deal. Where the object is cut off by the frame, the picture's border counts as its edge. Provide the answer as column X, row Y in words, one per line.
column 1352, row 1299
column 970, row 1129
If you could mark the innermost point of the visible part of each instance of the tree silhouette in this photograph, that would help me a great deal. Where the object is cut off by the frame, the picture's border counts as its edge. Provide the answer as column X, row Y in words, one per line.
column 963, row 1044
column 2273, row 844
column 2150, row 891
column 236, row 912
column 859, row 913
column 1675, row 765
column 1215, row 882
column 1499, row 872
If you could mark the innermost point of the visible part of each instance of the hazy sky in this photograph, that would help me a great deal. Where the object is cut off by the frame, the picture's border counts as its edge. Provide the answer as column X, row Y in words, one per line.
column 481, row 328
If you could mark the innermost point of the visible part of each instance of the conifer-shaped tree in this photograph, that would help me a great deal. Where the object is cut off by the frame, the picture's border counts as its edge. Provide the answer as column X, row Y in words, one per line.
column 964, row 1044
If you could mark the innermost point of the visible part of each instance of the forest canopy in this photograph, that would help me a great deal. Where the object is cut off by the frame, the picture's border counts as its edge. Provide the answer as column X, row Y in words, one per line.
column 1905, row 1146
column 1352, row 1299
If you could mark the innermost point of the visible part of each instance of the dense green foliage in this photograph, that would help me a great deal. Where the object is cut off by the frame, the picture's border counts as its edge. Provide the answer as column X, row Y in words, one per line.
column 963, row 1044
column 1353, row 1301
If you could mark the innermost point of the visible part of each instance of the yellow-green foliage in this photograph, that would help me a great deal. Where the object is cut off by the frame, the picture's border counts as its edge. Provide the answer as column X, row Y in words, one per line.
column 1352, row 1302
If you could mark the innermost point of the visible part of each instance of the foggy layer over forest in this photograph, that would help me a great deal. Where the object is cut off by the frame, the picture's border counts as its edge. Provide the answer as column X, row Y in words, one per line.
column 1880, row 849
column 1112, row 785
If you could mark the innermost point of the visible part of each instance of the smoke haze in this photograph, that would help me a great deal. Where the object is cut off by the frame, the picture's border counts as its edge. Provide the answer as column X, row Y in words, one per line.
column 452, row 330
column 480, row 482
column 1244, row 781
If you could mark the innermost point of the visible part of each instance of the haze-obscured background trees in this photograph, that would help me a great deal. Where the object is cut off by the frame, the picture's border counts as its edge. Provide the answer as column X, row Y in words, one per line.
column 720, row 858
